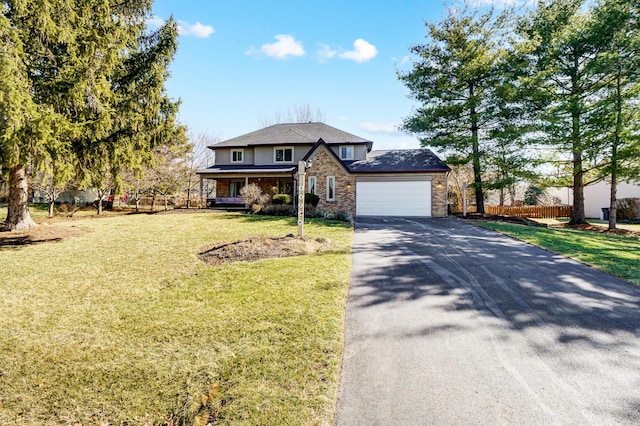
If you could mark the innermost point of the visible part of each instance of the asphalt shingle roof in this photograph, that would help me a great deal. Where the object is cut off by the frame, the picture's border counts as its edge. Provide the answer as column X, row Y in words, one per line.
column 399, row 161
column 292, row 134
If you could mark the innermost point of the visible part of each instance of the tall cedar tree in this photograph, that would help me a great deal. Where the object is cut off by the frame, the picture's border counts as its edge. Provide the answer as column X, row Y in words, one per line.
column 455, row 80
column 564, row 53
column 615, row 112
column 59, row 67
column 146, row 116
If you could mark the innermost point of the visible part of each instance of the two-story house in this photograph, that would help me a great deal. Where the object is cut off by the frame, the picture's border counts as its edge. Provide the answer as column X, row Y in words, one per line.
column 345, row 172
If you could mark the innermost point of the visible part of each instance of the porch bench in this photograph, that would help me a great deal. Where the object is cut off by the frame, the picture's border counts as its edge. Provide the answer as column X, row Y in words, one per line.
column 225, row 202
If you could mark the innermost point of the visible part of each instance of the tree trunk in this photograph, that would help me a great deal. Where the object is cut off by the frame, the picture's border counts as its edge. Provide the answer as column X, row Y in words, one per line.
column 52, row 194
column 613, row 208
column 18, row 216
column 99, row 206
column 578, row 216
column 475, row 140
column 165, row 202
column 189, row 193
column 613, row 202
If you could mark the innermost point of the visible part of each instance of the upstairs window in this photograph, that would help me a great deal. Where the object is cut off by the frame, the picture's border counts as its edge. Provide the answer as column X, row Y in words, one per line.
column 346, row 152
column 283, row 155
column 237, row 155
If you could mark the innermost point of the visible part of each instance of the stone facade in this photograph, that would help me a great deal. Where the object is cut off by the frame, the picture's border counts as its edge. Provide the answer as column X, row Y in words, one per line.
column 345, row 184
column 439, row 195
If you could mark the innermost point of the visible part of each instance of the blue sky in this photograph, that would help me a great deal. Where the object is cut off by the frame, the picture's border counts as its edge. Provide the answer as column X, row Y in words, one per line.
column 241, row 61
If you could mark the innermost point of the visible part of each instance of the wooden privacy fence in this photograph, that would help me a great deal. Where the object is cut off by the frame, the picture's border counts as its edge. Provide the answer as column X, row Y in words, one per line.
column 539, row 212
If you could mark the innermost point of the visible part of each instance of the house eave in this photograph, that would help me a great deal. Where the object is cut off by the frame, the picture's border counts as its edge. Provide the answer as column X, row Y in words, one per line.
column 402, row 172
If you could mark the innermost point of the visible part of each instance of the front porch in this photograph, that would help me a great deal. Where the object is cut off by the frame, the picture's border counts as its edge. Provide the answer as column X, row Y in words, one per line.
column 227, row 189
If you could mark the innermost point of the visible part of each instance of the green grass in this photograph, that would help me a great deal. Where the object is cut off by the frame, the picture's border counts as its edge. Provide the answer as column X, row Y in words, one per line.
column 616, row 254
column 123, row 324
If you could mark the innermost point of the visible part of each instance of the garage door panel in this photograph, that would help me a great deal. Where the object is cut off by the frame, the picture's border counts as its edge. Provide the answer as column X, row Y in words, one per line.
column 396, row 198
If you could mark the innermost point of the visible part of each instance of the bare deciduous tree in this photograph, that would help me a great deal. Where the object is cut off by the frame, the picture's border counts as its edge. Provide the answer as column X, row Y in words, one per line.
column 298, row 114
column 200, row 157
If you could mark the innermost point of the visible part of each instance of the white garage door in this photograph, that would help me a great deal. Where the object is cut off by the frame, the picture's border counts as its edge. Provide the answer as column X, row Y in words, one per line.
column 394, row 198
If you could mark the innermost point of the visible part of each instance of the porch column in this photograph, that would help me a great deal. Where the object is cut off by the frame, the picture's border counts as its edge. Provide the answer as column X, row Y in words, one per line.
column 302, row 170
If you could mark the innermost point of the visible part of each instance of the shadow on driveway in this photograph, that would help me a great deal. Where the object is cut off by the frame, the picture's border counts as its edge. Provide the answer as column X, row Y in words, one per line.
column 447, row 322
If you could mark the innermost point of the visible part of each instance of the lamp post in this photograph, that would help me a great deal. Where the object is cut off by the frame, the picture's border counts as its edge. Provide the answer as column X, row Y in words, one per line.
column 302, row 173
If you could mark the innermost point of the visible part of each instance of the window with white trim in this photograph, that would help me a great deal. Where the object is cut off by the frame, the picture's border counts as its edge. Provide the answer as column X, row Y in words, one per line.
column 283, row 154
column 331, row 188
column 346, row 152
column 237, row 155
column 311, row 184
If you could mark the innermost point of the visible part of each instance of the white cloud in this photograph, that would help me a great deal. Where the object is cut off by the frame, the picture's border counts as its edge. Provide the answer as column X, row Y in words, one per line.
column 363, row 51
column 285, row 46
column 155, row 21
column 384, row 128
column 184, row 28
column 325, row 52
column 195, row 30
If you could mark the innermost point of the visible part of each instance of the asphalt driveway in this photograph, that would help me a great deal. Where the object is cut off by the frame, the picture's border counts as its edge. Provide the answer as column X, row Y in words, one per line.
column 450, row 324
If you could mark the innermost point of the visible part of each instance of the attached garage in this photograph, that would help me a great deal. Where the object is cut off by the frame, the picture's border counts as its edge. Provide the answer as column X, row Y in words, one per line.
column 393, row 197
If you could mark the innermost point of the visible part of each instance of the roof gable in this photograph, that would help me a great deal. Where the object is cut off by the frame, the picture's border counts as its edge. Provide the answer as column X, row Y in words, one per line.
column 321, row 144
column 293, row 134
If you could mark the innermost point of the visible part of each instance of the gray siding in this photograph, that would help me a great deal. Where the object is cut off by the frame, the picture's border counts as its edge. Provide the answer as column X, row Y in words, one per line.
column 359, row 152
column 264, row 154
column 223, row 156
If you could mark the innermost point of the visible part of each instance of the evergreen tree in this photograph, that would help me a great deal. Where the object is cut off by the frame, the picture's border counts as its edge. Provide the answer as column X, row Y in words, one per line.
column 455, row 81
column 615, row 113
column 68, row 73
column 145, row 117
column 564, row 53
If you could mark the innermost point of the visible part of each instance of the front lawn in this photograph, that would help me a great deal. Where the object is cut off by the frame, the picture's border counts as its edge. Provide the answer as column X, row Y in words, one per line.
column 123, row 324
column 616, row 254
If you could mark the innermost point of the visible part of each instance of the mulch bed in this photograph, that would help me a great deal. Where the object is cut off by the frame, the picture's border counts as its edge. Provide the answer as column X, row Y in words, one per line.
column 601, row 229
column 529, row 222
column 499, row 218
column 258, row 248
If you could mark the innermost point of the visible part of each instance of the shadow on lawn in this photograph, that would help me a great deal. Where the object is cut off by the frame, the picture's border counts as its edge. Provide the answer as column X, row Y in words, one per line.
column 38, row 235
column 293, row 221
